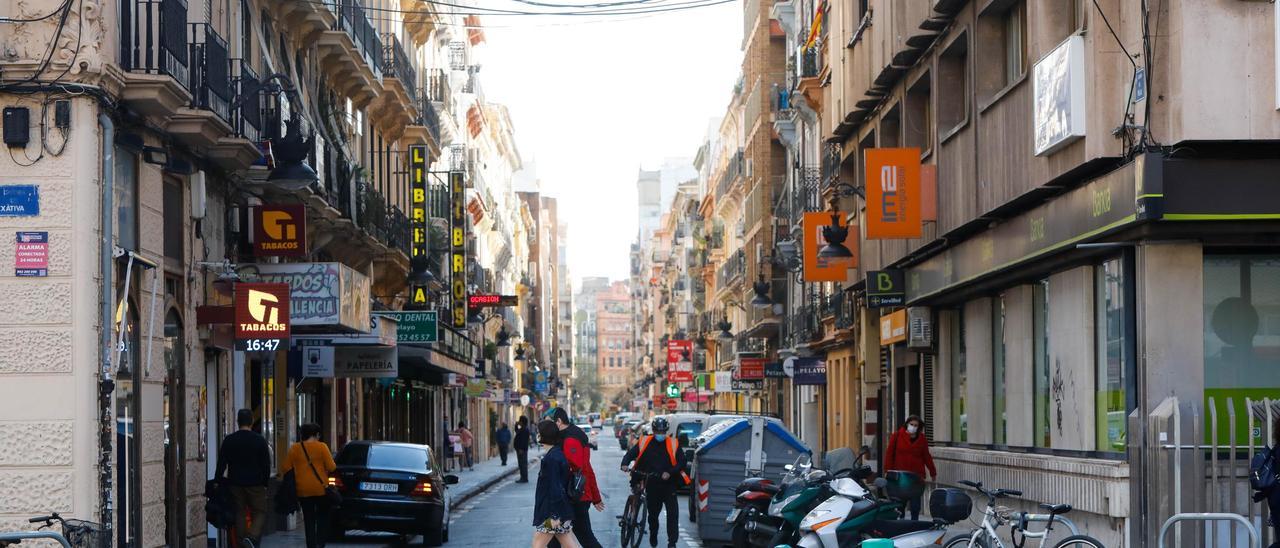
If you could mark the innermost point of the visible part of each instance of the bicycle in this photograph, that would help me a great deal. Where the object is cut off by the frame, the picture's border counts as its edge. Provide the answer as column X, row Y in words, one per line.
column 75, row 533
column 635, row 515
column 995, row 517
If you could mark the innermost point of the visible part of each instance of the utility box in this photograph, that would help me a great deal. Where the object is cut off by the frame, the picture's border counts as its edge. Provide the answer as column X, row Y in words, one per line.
column 730, row 452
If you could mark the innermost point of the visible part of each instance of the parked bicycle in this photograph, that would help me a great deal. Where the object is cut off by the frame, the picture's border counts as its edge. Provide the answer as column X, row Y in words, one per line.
column 635, row 515
column 75, row 533
column 997, row 516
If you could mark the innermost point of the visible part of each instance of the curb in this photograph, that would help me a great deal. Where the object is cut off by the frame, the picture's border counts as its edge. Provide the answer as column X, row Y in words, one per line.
column 463, row 496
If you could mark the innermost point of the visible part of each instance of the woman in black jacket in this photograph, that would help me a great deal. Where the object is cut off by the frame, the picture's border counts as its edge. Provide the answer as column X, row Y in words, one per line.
column 552, row 510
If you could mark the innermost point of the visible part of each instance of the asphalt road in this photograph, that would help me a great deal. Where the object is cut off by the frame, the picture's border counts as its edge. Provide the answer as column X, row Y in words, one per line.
column 502, row 515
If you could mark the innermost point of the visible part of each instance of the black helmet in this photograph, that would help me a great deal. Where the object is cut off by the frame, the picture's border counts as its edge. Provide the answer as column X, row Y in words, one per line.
column 660, row 425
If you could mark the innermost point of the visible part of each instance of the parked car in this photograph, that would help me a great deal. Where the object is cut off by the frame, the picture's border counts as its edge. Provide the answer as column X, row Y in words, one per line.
column 394, row 487
column 623, row 432
column 591, row 432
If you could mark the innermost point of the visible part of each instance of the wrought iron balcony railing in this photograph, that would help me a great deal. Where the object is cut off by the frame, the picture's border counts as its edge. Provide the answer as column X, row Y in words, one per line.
column 733, row 269
column 154, row 38
column 395, row 64
column 438, row 88
column 353, row 20
column 248, row 116
column 210, row 76
column 810, row 63
column 428, row 116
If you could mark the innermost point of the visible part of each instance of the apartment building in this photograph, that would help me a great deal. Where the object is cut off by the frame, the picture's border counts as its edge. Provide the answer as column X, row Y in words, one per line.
column 613, row 342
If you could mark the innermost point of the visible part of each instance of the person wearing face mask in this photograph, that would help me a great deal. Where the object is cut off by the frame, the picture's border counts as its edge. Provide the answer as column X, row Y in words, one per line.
column 908, row 451
column 662, row 463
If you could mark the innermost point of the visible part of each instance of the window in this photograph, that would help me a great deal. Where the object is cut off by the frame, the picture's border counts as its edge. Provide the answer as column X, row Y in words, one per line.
column 174, row 215
column 959, row 421
column 1040, row 358
column 917, row 128
column 953, row 74
column 1115, row 381
column 1015, row 43
column 125, row 198
column 246, row 32
column 1079, row 15
column 1241, row 330
column 999, row 420
column 891, row 127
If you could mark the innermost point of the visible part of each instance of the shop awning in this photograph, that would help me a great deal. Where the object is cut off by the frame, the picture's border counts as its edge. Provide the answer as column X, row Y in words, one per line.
column 424, row 356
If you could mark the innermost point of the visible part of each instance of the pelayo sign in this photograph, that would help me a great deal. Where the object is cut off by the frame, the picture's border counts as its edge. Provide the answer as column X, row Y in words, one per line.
column 325, row 294
column 368, row 362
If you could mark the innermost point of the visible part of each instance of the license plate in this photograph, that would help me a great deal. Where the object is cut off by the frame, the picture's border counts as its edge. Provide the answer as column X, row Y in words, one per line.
column 379, row 487
column 733, row 516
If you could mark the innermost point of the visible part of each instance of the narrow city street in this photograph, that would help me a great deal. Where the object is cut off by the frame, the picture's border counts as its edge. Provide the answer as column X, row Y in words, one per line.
column 500, row 516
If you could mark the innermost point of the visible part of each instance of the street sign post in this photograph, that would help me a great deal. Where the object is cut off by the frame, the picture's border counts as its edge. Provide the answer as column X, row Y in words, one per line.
column 672, row 403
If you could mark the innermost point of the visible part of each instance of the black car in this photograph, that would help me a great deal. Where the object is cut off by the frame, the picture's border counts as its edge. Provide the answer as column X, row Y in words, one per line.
column 394, row 487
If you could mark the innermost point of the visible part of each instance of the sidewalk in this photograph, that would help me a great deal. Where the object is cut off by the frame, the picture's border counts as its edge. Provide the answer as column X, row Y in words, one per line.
column 470, row 484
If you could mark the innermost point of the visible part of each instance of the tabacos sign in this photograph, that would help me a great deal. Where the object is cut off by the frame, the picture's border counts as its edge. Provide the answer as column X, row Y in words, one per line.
column 893, row 193
column 262, row 314
column 280, row 230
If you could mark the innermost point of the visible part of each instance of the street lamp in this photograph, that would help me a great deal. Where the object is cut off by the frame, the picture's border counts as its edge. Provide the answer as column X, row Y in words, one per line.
column 291, row 151
column 761, row 290
column 835, row 234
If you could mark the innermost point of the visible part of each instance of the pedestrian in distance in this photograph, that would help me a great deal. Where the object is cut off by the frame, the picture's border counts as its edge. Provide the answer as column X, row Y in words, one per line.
column 311, row 463
column 908, row 451
column 503, row 437
column 244, row 463
column 521, row 446
column 662, row 470
column 467, row 441
column 576, row 446
column 553, row 509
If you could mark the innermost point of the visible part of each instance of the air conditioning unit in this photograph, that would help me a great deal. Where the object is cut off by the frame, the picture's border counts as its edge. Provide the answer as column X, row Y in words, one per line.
column 920, row 328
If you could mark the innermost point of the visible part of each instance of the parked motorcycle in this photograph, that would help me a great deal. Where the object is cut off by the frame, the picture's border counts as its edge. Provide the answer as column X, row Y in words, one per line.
column 798, row 497
column 854, row 514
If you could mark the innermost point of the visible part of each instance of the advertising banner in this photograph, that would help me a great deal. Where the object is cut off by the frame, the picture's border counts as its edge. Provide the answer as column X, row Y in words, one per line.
column 458, row 248
column 824, row 269
column 680, row 361
column 418, row 217
column 751, row 369
column 321, row 294
column 893, row 193
column 724, row 382
column 280, row 230
column 262, row 317
column 367, row 362
column 475, row 388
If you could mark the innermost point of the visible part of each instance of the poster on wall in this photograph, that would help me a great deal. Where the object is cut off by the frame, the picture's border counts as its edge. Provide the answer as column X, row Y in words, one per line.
column 893, row 193
column 680, row 360
column 31, row 254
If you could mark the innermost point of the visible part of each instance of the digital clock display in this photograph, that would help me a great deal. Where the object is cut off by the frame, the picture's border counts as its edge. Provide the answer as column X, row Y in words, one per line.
column 258, row 345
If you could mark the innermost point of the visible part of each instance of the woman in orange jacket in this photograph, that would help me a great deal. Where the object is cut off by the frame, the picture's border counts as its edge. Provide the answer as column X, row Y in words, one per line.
column 311, row 463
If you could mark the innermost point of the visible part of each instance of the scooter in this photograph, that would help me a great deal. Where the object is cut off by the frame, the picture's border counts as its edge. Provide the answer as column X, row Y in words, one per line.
column 854, row 514
column 782, row 524
column 751, row 497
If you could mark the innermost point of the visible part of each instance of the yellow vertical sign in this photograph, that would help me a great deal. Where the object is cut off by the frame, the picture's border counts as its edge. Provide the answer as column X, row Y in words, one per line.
column 458, row 250
column 418, row 215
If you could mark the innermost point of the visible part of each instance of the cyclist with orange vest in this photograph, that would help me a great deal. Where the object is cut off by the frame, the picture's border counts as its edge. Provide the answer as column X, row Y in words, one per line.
column 659, row 458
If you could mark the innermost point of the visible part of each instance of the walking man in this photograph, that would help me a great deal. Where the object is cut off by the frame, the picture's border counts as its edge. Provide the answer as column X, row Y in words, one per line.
column 522, row 448
column 663, row 469
column 503, row 437
column 577, row 449
column 246, row 463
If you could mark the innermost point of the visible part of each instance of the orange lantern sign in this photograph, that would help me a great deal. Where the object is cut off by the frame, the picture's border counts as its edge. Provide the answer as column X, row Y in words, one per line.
column 893, row 193
column 822, row 269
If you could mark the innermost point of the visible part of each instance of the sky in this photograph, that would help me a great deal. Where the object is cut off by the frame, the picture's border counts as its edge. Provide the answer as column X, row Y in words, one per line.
column 592, row 103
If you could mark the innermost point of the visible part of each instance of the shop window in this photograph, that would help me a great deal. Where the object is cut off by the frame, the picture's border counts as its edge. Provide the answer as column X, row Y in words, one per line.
column 999, row 420
column 1241, row 335
column 1040, row 356
column 953, row 74
column 959, row 420
column 1115, row 380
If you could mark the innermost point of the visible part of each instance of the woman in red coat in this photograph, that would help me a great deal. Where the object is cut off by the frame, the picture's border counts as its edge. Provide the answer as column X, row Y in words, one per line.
column 909, row 451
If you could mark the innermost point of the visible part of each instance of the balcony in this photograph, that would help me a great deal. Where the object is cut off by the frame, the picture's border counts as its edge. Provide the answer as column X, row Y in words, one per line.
column 784, row 116
column 420, row 18
column 425, row 128
column 308, row 19
column 732, row 271
column 208, row 116
column 730, row 176
column 398, row 105
column 351, row 54
column 813, row 69
column 240, row 149
column 154, row 57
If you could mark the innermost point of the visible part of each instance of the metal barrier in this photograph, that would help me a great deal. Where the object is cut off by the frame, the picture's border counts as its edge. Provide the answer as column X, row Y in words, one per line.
column 29, row 535
column 1255, row 540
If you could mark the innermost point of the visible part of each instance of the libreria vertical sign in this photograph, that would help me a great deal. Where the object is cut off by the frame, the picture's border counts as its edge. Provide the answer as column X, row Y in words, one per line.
column 418, row 215
column 458, row 251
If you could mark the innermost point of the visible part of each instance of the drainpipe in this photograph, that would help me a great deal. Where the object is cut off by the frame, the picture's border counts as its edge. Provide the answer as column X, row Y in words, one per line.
column 106, row 385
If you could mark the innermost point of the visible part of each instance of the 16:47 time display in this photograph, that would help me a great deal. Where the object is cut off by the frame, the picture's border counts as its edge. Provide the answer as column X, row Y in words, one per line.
column 258, row 345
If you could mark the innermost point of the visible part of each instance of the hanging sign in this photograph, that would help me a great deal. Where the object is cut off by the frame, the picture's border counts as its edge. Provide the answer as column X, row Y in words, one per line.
column 751, row 369
column 893, row 193
column 280, row 230
column 418, row 217
column 723, row 382
column 458, row 248
column 825, row 269
column 680, row 360
column 475, row 388
column 31, row 254
column 810, row 371
column 262, row 316
column 488, row 301
column 886, row 288
column 774, row 370
column 317, row 361
column 893, row 327
column 1059, row 93
column 417, row 327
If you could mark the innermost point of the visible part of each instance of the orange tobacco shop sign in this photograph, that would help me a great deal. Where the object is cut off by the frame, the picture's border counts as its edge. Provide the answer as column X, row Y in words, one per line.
column 262, row 316
column 280, row 230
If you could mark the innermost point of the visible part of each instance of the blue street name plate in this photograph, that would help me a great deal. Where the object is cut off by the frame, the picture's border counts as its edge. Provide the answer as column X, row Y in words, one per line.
column 19, row 200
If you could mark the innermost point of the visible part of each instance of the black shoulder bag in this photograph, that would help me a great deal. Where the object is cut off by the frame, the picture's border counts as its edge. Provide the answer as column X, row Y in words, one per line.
column 331, row 494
